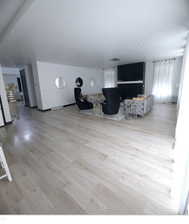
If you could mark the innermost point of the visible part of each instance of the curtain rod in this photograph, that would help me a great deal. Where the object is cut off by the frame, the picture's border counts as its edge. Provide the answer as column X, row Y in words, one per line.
column 167, row 59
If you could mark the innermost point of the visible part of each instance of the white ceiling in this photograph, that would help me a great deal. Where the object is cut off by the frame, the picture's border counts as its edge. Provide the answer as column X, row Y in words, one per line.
column 8, row 9
column 90, row 32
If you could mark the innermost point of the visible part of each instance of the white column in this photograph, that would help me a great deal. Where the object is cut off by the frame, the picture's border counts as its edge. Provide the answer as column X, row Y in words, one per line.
column 181, row 181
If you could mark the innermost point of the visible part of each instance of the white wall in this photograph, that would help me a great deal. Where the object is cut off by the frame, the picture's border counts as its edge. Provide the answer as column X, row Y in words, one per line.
column 48, row 96
column 180, row 85
column 181, row 184
column 37, row 85
column 4, row 98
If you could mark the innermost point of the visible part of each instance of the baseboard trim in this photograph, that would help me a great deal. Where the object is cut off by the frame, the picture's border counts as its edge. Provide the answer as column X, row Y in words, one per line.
column 8, row 123
column 44, row 110
column 34, row 107
column 68, row 105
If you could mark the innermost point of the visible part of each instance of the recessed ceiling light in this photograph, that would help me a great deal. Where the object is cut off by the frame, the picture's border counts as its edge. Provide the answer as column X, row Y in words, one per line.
column 115, row 59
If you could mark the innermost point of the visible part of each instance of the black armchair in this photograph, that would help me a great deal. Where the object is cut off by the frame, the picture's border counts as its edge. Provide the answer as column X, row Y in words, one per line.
column 81, row 102
column 112, row 103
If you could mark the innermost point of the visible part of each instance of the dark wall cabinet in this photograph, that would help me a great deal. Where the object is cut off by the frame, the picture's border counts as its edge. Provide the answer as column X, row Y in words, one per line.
column 131, row 79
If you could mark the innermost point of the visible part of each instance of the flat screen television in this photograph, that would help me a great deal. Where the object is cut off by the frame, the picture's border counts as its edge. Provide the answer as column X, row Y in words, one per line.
column 131, row 72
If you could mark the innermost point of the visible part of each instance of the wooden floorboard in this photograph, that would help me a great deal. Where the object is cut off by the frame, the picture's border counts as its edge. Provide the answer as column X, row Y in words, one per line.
column 65, row 162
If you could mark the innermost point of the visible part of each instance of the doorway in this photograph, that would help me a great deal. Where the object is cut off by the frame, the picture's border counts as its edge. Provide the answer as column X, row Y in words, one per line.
column 25, row 87
column 16, row 86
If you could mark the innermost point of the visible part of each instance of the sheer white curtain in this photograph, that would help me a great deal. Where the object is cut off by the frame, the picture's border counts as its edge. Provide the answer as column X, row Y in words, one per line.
column 163, row 84
column 110, row 79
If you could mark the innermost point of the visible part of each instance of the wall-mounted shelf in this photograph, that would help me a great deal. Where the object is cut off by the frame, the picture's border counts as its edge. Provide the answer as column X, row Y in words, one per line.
column 130, row 82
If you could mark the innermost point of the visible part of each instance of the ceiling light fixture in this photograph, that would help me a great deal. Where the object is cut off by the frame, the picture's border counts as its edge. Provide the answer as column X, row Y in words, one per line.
column 115, row 59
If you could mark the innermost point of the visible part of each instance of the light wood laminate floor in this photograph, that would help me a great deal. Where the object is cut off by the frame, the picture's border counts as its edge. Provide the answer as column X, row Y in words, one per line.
column 64, row 162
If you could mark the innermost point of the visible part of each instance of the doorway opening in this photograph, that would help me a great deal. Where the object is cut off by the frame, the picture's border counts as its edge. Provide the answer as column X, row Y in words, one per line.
column 19, row 86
